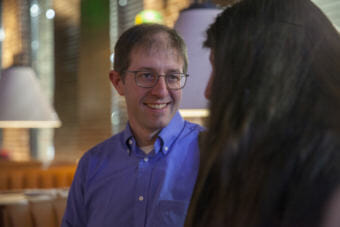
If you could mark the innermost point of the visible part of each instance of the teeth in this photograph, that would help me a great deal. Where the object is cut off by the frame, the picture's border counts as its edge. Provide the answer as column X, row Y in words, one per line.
column 156, row 106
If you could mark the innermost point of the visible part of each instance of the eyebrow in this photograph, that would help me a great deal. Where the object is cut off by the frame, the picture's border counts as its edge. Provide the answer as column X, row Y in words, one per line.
column 149, row 69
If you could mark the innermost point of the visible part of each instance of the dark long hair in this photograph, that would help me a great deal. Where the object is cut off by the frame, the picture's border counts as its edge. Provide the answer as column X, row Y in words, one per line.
column 271, row 155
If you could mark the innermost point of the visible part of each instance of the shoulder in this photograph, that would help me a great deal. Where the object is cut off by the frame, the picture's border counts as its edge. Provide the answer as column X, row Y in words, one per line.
column 190, row 127
column 107, row 146
column 193, row 126
column 108, row 143
column 102, row 152
column 189, row 133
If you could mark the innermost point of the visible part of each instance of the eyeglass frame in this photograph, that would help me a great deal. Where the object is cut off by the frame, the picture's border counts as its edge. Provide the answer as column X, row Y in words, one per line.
column 185, row 75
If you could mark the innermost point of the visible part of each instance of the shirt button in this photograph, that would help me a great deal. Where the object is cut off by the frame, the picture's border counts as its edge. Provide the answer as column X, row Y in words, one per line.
column 165, row 148
column 146, row 159
column 140, row 198
column 130, row 142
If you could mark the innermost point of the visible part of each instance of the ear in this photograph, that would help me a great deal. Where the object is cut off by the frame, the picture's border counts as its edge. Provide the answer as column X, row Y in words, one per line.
column 117, row 82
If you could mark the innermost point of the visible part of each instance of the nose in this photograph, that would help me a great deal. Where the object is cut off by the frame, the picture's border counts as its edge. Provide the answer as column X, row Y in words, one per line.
column 160, row 89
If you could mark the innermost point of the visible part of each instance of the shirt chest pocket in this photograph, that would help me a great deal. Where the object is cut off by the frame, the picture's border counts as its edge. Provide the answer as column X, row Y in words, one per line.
column 170, row 213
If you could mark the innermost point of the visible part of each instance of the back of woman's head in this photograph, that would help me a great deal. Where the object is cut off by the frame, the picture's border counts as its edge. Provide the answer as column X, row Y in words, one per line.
column 272, row 58
column 274, row 106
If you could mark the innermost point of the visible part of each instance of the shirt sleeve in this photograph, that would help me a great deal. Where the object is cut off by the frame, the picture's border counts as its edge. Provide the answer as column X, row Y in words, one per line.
column 75, row 212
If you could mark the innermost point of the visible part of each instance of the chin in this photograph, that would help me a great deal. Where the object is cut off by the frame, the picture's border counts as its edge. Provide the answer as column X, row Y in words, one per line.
column 159, row 124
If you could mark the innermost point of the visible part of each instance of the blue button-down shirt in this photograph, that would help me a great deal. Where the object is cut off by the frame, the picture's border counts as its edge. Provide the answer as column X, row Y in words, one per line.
column 116, row 184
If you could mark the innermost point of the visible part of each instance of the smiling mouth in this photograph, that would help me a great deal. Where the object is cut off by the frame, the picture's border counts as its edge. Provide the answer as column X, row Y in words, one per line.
column 156, row 106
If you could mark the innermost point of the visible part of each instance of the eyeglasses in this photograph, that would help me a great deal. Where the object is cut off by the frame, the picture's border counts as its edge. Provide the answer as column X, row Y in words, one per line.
column 174, row 81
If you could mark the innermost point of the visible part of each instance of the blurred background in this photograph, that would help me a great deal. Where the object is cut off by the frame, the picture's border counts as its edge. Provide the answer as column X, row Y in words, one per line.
column 68, row 46
column 56, row 100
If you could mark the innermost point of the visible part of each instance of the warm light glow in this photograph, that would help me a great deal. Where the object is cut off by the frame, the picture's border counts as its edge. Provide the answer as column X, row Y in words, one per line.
column 112, row 57
column 148, row 16
column 35, row 10
column 68, row 10
column 194, row 112
column 2, row 35
column 30, row 124
column 16, row 141
column 11, row 24
column 13, row 198
column 50, row 14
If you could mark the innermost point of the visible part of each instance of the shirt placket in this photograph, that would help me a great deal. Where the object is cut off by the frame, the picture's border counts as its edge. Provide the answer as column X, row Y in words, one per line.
column 141, row 196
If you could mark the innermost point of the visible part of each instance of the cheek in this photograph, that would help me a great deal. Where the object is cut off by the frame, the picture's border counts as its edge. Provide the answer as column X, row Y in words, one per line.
column 207, row 92
column 134, row 94
column 177, row 96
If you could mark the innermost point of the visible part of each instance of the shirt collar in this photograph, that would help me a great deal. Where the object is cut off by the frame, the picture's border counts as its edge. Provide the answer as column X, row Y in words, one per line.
column 169, row 134
column 166, row 137
column 128, row 136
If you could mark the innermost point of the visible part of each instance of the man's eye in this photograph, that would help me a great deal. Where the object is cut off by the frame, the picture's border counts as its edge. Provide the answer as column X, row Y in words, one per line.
column 174, row 77
column 146, row 76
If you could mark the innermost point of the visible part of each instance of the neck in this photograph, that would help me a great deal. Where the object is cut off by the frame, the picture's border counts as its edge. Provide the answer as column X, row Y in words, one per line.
column 145, row 137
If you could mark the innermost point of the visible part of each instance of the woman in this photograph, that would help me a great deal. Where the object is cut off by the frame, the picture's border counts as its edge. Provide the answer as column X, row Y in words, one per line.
column 271, row 155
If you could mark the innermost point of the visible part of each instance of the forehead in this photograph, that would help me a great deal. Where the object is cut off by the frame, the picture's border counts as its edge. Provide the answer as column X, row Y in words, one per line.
column 159, row 53
column 160, row 41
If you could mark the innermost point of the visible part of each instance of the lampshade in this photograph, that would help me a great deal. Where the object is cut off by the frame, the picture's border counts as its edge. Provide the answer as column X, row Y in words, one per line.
column 22, row 102
column 191, row 25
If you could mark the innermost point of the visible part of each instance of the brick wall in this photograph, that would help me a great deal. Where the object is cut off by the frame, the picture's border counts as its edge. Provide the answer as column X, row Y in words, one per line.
column 82, row 87
column 16, row 143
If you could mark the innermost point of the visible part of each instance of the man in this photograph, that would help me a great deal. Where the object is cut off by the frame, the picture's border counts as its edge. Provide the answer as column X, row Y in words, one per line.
column 143, row 176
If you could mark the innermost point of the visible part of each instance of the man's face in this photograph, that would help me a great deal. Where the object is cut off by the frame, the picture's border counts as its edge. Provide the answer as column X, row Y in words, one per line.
column 151, row 109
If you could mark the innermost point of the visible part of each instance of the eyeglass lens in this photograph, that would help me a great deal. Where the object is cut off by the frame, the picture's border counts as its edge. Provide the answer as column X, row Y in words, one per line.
column 148, row 79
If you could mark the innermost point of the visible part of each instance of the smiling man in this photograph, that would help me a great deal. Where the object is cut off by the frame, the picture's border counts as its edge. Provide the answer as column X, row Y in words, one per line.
column 143, row 176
